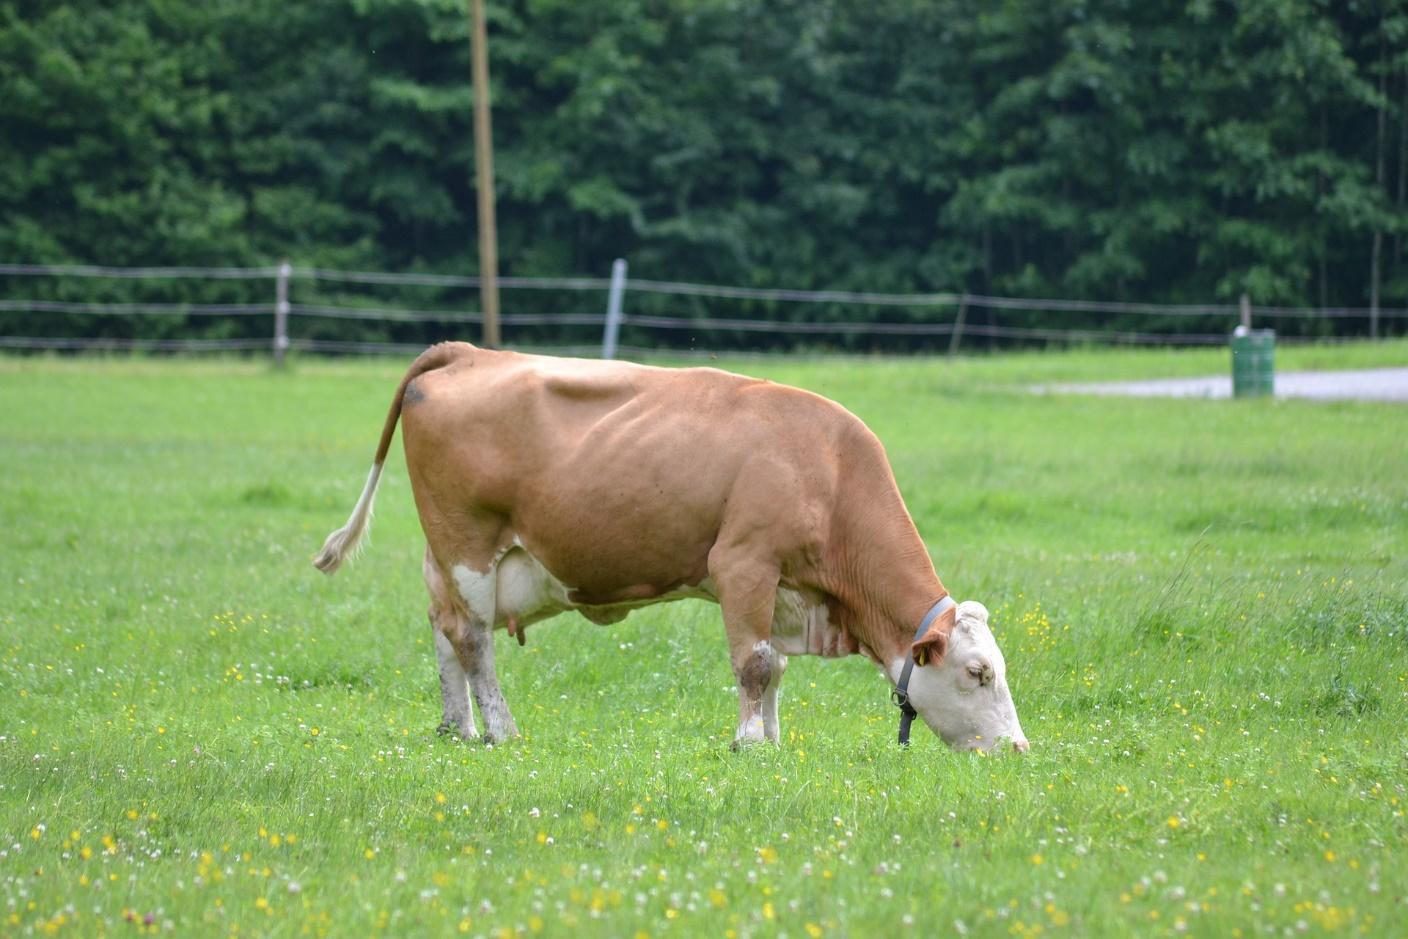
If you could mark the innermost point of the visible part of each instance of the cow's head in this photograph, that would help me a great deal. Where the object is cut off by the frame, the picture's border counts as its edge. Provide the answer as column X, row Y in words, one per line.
column 959, row 684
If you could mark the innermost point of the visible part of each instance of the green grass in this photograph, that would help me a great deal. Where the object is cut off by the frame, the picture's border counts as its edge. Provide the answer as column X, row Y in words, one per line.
column 1203, row 606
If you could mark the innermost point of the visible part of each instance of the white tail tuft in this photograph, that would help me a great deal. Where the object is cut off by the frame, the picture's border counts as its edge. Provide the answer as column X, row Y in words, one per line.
column 344, row 542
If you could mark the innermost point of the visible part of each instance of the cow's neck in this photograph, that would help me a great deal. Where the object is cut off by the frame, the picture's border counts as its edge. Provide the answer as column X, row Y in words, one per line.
column 883, row 581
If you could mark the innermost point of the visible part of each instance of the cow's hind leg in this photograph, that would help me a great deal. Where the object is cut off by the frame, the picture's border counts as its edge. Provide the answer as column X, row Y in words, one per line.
column 747, row 593
column 476, row 652
column 469, row 631
column 477, row 583
column 456, row 715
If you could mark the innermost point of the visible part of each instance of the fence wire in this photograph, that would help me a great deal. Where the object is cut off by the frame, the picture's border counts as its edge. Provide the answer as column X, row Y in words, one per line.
column 41, row 343
column 952, row 305
column 140, row 273
column 136, row 309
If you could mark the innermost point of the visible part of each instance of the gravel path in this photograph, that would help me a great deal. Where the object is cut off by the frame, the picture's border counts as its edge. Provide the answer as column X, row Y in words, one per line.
column 1374, row 384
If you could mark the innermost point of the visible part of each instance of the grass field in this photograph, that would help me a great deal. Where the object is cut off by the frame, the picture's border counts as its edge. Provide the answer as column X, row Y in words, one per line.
column 1203, row 606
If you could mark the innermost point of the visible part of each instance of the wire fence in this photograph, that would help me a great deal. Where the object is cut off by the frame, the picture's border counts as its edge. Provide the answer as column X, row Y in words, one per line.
column 669, row 316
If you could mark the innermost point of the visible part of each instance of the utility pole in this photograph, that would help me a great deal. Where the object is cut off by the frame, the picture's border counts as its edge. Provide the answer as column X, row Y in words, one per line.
column 484, row 170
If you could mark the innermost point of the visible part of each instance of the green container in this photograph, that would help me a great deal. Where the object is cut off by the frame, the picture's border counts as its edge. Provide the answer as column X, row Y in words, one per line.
column 1254, row 363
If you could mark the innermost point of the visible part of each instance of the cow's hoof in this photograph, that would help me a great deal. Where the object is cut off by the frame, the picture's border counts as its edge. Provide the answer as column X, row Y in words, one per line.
column 746, row 743
column 455, row 732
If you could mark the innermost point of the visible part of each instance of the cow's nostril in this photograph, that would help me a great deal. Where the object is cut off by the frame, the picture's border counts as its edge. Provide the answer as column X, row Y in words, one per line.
column 1021, row 745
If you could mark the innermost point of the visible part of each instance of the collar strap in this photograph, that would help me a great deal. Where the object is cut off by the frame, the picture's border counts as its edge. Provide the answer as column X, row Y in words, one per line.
column 901, row 693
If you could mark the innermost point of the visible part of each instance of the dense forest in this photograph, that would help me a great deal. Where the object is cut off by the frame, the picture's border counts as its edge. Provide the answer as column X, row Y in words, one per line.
column 1150, row 150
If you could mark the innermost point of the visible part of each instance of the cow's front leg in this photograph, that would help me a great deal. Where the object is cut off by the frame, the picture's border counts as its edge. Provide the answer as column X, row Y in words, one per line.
column 770, row 694
column 747, row 593
column 474, row 645
column 759, row 671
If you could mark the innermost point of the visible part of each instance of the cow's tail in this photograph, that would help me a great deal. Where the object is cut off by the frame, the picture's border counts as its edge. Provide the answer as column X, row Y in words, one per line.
column 344, row 542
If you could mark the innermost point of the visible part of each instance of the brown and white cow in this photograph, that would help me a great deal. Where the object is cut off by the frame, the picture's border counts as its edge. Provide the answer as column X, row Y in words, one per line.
column 547, row 484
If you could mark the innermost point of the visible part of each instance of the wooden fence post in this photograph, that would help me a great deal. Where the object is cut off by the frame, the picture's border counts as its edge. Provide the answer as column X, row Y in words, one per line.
column 956, row 336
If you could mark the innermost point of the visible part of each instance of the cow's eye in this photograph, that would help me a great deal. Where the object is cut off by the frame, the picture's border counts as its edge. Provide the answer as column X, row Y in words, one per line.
column 976, row 672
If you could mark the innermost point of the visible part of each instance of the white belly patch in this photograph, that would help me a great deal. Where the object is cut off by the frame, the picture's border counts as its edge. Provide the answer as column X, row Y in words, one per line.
column 515, row 589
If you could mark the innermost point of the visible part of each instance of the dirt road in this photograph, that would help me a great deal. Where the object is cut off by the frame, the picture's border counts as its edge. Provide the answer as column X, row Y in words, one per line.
column 1375, row 384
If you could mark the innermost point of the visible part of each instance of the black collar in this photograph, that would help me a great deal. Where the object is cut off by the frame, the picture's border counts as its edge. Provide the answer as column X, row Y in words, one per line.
column 901, row 693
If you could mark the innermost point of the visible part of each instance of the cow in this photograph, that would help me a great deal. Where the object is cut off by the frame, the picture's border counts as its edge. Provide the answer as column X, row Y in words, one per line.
column 550, row 484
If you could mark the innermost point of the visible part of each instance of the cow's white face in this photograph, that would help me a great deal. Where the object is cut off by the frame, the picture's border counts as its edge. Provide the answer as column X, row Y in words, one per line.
column 964, row 696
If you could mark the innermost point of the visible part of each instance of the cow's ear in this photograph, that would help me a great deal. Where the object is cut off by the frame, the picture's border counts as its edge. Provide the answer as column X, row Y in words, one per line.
column 929, row 648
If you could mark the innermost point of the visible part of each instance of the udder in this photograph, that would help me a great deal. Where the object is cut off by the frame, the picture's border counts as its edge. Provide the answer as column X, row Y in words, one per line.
column 526, row 591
